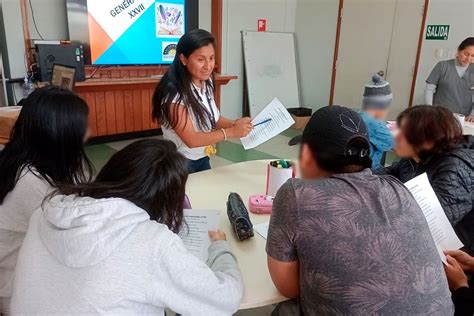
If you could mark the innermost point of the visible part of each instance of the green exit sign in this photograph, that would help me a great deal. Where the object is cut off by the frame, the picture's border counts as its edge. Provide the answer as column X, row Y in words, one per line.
column 437, row 32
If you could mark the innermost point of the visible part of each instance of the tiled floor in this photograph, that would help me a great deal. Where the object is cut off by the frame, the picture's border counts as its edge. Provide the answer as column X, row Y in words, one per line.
column 227, row 152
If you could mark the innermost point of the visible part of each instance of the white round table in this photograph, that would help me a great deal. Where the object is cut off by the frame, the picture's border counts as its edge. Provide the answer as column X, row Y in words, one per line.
column 209, row 190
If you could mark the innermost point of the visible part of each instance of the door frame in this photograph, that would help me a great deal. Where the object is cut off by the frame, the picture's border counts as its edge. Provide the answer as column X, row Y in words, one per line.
column 417, row 60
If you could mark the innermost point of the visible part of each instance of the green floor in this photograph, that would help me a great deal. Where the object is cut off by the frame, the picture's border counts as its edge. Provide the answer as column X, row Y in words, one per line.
column 228, row 152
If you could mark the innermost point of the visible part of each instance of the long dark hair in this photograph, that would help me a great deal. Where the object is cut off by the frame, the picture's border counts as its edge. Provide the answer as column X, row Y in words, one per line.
column 150, row 173
column 175, row 86
column 435, row 124
column 49, row 137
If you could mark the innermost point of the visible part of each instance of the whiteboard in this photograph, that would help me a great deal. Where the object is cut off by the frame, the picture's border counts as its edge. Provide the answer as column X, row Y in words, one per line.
column 271, row 70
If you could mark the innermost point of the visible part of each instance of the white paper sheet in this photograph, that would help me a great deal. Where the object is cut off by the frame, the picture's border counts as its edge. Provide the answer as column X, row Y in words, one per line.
column 441, row 230
column 281, row 120
column 195, row 235
column 262, row 229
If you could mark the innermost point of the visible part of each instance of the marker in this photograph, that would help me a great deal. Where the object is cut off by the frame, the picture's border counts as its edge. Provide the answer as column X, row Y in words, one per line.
column 262, row 122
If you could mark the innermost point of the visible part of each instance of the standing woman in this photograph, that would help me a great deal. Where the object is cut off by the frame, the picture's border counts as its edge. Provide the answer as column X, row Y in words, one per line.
column 46, row 148
column 451, row 82
column 183, row 103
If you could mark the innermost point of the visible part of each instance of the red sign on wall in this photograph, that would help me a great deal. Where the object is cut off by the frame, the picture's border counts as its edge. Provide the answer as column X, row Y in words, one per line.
column 262, row 25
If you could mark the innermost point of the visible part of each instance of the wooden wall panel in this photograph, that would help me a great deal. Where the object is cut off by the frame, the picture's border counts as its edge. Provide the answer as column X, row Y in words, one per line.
column 137, row 110
column 128, row 106
column 123, row 105
column 90, row 99
column 154, row 124
column 146, row 114
column 123, row 71
column 110, row 112
column 119, row 111
column 100, row 113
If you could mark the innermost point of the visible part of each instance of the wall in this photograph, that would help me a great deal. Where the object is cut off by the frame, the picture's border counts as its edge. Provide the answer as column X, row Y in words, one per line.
column 315, row 29
column 240, row 15
column 459, row 14
column 51, row 19
column 205, row 14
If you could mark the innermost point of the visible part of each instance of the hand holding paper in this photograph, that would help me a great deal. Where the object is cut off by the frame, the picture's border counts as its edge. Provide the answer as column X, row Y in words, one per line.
column 441, row 230
column 276, row 118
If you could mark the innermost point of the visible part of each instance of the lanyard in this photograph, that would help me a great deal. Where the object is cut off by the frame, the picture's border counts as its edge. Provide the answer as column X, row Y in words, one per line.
column 209, row 112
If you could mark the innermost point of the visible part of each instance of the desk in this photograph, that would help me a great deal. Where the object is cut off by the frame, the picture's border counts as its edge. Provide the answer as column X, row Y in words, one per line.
column 8, row 117
column 209, row 190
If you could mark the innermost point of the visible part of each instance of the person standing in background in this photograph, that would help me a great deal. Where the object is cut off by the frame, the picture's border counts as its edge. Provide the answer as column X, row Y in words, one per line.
column 183, row 103
column 377, row 99
column 451, row 82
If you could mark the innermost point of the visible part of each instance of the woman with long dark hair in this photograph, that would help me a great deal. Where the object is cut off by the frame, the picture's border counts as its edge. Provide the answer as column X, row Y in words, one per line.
column 46, row 148
column 111, row 246
column 183, row 102
column 431, row 140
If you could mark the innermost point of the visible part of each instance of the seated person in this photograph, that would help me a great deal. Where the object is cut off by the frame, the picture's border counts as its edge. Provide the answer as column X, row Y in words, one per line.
column 463, row 295
column 46, row 148
column 375, row 104
column 111, row 247
column 345, row 241
column 430, row 140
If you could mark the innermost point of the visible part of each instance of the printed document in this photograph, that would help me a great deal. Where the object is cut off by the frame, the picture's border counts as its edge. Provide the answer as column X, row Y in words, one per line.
column 441, row 230
column 280, row 120
column 195, row 234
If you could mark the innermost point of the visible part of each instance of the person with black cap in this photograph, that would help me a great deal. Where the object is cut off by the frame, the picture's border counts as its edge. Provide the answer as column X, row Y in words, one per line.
column 345, row 241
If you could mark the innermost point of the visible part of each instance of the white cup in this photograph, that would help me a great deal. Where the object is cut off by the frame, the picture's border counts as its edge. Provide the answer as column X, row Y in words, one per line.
column 276, row 177
column 461, row 118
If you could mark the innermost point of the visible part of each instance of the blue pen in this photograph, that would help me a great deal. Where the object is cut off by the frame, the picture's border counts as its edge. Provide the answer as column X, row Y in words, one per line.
column 263, row 122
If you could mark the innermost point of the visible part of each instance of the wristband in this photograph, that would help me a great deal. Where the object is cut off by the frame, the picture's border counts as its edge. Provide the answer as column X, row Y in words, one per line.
column 225, row 134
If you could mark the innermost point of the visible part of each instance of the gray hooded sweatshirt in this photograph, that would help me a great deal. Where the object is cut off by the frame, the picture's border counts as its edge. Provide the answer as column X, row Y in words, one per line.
column 86, row 256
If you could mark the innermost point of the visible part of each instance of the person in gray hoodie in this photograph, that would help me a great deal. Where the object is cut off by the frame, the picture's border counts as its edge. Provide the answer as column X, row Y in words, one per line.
column 46, row 148
column 111, row 247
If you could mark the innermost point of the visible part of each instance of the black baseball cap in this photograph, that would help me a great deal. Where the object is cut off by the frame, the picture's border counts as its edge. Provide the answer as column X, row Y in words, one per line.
column 331, row 130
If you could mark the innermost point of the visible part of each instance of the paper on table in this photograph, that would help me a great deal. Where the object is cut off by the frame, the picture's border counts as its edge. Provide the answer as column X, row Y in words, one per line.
column 262, row 229
column 281, row 120
column 441, row 230
column 195, row 235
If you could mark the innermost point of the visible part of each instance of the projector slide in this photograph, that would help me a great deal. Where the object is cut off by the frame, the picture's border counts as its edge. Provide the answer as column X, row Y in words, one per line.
column 134, row 32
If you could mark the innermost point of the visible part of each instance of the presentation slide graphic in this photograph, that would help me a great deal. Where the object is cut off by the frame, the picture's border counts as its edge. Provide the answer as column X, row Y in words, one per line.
column 169, row 19
column 131, row 32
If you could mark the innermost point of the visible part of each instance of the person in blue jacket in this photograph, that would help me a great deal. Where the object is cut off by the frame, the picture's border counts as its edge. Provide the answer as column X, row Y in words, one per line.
column 375, row 104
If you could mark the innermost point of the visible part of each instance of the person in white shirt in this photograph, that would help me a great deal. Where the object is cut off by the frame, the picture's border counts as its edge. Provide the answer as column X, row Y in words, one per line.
column 111, row 247
column 46, row 148
column 183, row 102
column 451, row 82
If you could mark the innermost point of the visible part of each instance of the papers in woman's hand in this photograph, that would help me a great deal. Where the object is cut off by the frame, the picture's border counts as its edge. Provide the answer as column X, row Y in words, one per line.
column 441, row 230
column 280, row 121
column 195, row 234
